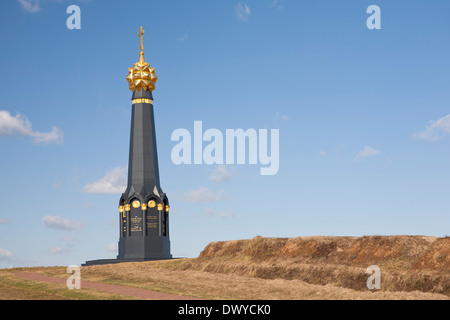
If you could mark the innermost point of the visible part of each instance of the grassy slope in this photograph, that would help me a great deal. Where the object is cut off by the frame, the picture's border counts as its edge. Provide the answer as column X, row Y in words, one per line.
column 407, row 263
column 269, row 268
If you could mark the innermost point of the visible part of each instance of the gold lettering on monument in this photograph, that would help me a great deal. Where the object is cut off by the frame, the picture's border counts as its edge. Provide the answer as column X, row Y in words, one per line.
column 152, row 222
column 136, row 225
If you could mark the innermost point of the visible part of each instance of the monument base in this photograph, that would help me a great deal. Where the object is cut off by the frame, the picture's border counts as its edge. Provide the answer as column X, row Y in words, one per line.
column 144, row 247
column 112, row 261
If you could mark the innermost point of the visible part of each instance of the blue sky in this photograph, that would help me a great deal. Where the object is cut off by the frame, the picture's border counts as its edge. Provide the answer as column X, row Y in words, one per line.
column 363, row 117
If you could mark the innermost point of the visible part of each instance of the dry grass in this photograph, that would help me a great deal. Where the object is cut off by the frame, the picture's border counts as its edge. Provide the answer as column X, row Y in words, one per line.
column 412, row 267
column 166, row 276
column 408, row 263
column 174, row 277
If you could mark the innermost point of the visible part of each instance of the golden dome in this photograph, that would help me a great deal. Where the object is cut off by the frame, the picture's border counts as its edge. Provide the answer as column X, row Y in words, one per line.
column 141, row 75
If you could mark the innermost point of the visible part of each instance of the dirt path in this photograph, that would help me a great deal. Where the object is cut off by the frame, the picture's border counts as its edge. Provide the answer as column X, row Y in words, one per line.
column 129, row 291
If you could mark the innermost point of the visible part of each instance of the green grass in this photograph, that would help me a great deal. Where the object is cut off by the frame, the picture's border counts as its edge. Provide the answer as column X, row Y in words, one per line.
column 15, row 288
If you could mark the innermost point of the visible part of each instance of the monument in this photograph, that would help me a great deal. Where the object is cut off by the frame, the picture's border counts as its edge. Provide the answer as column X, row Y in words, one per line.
column 143, row 207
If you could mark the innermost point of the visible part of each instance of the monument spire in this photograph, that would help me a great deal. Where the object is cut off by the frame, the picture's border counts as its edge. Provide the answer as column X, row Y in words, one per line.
column 144, row 207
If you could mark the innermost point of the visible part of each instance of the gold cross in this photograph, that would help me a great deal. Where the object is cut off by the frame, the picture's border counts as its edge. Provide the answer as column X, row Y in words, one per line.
column 140, row 34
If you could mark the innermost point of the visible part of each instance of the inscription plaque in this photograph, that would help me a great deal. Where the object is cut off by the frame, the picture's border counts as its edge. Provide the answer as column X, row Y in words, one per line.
column 136, row 222
column 152, row 223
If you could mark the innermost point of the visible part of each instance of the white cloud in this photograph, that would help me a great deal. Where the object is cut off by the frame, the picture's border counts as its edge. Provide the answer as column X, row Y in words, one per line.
column 8, row 258
column 30, row 5
column 69, row 244
column 435, row 129
column 222, row 214
column 279, row 116
column 58, row 223
column 242, row 11
column 115, row 181
column 57, row 184
column 182, row 38
column 204, row 195
column 323, row 153
column 19, row 124
column 3, row 221
column 55, row 136
column 58, row 250
column 276, row 4
column 14, row 125
column 220, row 174
column 112, row 247
column 366, row 152
column 70, row 241
column 5, row 255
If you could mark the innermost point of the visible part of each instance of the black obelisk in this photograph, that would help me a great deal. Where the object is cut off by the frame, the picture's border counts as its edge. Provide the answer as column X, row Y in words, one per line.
column 143, row 207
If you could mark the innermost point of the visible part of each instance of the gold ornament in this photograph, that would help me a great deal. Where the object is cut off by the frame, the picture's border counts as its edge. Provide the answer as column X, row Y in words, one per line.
column 143, row 100
column 136, row 204
column 141, row 75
